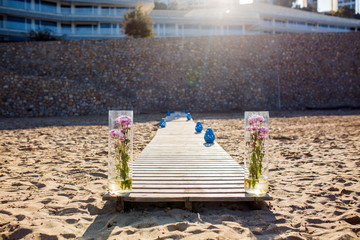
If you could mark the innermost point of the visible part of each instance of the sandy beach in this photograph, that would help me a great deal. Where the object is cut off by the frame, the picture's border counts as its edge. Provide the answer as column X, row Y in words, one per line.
column 53, row 174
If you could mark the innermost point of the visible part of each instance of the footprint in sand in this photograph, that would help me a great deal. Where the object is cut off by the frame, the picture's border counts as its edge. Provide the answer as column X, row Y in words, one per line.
column 69, row 235
column 72, row 220
column 20, row 233
column 178, row 227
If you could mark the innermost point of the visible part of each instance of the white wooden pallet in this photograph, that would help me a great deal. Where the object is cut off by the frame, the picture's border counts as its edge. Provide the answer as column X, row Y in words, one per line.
column 178, row 166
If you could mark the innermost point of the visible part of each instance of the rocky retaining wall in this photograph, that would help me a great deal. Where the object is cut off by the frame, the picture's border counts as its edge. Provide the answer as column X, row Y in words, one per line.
column 203, row 74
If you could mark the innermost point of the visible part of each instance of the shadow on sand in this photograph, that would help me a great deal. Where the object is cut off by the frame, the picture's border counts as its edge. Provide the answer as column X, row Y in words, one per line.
column 255, row 217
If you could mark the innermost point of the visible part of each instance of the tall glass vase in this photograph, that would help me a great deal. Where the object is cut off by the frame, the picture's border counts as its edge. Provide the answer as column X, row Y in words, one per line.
column 120, row 152
column 256, row 160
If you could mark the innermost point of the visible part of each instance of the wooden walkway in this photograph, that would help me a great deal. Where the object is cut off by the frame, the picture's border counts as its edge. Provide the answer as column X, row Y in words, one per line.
column 177, row 166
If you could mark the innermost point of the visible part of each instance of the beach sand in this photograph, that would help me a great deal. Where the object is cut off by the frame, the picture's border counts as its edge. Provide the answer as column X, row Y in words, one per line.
column 53, row 173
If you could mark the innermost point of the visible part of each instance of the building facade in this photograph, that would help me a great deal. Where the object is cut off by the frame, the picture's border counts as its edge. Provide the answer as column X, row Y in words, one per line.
column 352, row 4
column 94, row 19
column 76, row 19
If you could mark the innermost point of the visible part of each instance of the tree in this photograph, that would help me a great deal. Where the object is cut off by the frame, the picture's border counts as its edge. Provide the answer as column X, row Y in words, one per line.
column 344, row 12
column 159, row 5
column 137, row 24
column 174, row 6
column 43, row 35
column 284, row 3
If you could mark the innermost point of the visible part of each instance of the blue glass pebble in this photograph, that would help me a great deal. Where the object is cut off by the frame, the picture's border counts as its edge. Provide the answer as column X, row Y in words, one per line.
column 198, row 127
column 188, row 116
column 163, row 123
column 168, row 113
column 209, row 136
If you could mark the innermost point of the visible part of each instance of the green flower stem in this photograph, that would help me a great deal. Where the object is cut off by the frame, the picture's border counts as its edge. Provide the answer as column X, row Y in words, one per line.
column 122, row 158
column 256, row 157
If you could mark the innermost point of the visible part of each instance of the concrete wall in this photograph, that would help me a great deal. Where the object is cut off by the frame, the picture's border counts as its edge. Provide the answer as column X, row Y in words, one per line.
column 203, row 74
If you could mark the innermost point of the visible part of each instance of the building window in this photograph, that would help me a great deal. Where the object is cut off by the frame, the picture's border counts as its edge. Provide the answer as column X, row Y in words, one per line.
column 48, row 7
column 170, row 29
column 28, row 24
column 16, row 23
column 105, row 11
column 65, row 9
column 84, row 29
column 235, row 30
column 105, row 28
column 267, row 20
column 279, row 23
column 37, row 5
column 85, row 10
column 66, row 28
column 311, row 25
column 16, row 3
column 120, row 11
column 323, row 25
column 28, row 4
column 1, row 22
column 42, row 25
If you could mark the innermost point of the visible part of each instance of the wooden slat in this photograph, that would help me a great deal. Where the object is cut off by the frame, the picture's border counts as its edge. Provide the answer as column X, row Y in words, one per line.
column 189, row 178
column 184, row 182
column 176, row 166
column 188, row 186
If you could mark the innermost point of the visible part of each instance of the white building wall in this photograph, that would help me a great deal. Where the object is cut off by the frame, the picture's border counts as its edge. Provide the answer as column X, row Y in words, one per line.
column 327, row 5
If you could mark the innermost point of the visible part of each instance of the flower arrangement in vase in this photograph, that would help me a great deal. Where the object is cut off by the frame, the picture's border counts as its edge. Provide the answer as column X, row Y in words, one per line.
column 256, row 163
column 120, row 152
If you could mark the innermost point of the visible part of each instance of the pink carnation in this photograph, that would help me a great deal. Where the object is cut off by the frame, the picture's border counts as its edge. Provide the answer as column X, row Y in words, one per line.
column 263, row 130
column 115, row 133
column 123, row 120
column 256, row 119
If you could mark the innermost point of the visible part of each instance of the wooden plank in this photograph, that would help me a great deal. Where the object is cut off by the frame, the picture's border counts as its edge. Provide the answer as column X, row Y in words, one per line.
column 184, row 176
column 186, row 191
column 189, row 178
column 188, row 170
column 188, row 186
column 184, row 182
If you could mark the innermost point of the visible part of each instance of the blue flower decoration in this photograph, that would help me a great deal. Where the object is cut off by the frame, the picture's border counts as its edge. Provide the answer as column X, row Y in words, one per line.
column 163, row 123
column 198, row 127
column 168, row 113
column 209, row 136
column 188, row 116
column 186, row 111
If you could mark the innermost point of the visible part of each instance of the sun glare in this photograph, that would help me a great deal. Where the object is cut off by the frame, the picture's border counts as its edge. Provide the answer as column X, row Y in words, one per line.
column 246, row 1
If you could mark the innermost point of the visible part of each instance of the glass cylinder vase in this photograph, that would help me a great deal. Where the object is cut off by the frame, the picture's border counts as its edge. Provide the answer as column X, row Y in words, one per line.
column 256, row 181
column 120, row 152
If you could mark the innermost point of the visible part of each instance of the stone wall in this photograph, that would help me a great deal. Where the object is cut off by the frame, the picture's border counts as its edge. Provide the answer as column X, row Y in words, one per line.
column 203, row 74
